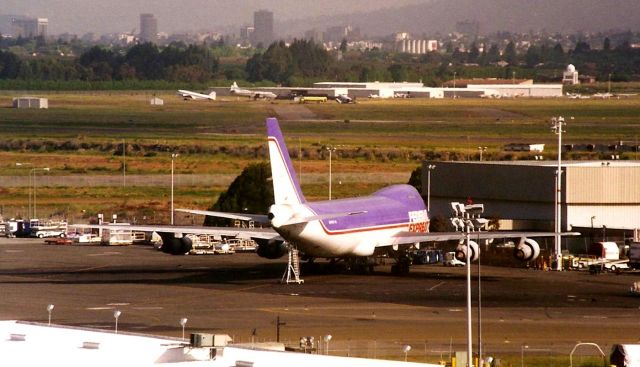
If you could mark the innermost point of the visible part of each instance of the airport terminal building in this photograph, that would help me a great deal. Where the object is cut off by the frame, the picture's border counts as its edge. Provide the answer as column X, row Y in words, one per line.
column 522, row 193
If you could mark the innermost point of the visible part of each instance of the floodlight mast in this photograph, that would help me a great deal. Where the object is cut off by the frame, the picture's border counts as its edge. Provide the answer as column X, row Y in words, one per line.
column 557, row 124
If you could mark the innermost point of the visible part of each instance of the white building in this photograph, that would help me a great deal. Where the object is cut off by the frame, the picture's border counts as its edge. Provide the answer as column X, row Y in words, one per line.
column 570, row 76
column 32, row 344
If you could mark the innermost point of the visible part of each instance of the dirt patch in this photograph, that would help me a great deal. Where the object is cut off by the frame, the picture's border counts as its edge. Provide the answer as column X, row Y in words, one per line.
column 293, row 112
column 497, row 113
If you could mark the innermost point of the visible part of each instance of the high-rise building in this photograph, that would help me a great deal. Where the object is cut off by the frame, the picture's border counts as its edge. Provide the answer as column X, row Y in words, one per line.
column 246, row 32
column 263, row 28
column 29, row 27
column 148, row 28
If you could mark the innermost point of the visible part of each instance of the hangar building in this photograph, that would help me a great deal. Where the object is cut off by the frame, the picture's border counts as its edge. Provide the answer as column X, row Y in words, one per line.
column 521, row 193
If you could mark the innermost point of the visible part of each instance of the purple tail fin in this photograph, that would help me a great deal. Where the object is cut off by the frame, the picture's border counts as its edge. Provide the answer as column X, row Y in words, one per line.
column 286, row 188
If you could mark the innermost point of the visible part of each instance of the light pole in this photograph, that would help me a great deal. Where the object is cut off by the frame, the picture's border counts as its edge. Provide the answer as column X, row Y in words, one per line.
column 20, row 164
column 116, row 315
column 330, row 149
column 183, row 323
column 173, row 157
column 406, row 348
column 522, row 348
column 481, row 150
column 609, row 85
column 327, row 339
column 454, row 85
column 430, row 168
column 557, row 124
column 49, row 310
column 34, row 171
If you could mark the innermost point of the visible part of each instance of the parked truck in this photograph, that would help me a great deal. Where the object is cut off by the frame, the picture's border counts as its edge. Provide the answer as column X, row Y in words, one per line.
column 634, row 255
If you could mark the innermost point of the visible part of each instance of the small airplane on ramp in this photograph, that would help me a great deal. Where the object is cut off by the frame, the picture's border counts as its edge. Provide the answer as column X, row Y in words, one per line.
column 253, row 94
column 189, row 95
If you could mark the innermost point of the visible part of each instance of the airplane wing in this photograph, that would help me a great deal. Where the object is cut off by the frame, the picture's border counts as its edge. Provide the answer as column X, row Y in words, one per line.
column 405, row 237
column 248, row 217
column 264, row 219
column 245, row 233
column 298, row 220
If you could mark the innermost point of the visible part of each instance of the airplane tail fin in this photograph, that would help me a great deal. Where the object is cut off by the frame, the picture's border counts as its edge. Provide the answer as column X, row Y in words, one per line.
column 286, row 188
column 234, row 86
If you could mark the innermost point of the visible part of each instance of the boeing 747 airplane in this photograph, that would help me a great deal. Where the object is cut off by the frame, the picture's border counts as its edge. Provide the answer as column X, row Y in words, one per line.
column 391, row 221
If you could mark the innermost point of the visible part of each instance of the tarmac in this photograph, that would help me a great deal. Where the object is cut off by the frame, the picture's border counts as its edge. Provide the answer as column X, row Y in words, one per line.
column 367, row 315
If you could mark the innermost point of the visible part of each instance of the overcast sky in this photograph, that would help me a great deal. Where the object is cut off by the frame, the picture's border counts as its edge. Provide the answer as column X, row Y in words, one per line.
column 102, row 16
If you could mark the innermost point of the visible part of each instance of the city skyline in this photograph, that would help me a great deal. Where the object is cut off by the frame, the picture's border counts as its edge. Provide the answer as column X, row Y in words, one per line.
column 79, row 17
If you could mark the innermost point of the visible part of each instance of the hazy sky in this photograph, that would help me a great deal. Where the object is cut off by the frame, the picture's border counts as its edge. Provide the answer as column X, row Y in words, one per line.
column 102, row 16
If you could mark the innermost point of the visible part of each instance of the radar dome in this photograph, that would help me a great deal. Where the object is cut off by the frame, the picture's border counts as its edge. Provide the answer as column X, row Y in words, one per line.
column 571, row 68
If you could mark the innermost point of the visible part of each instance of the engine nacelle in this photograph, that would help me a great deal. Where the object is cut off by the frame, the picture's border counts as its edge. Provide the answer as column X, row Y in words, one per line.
column 175, row 246
column 271, row 249
column 527, row 250
column 461, row 251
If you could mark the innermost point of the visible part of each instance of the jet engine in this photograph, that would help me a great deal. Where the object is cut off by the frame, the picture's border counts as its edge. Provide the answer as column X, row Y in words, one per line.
column 175, row 246
column 527, row 250
column 461, row 251
column 271, row 249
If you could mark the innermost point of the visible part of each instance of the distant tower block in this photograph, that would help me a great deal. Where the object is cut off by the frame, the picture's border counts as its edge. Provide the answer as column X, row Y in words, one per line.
column 148, row 28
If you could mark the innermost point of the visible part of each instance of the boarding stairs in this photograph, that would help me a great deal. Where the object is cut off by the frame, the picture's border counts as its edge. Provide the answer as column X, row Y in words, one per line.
column 292, row 274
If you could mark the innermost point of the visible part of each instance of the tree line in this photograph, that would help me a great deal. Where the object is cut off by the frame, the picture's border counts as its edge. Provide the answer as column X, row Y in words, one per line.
column 176, row 62
column 303, row 62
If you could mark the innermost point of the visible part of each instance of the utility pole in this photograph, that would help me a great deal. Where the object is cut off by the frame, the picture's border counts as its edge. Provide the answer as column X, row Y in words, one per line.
column 557, row 124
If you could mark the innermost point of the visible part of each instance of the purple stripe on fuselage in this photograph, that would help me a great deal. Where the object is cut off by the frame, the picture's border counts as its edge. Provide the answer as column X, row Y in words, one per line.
column 274, row 132
column 387, row 207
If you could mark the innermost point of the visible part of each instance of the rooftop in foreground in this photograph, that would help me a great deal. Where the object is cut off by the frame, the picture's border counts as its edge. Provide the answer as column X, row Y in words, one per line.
column 34, row 344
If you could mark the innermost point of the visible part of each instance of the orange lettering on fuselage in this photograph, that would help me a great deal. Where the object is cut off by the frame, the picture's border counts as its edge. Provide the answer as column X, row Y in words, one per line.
column 419, row 227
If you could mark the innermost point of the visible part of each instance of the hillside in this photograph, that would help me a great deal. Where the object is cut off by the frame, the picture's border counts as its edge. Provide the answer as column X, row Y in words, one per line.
column 435, row 16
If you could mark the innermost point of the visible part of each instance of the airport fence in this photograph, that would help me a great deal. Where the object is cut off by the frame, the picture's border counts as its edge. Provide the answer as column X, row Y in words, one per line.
column 503, row 354
column 190, row 179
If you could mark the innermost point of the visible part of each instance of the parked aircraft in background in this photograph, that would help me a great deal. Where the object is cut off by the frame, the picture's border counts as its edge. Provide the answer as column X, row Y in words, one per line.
column 189, row 95
column 343, row 98
column 577, row 96
column 391, row 222
column 254, row 94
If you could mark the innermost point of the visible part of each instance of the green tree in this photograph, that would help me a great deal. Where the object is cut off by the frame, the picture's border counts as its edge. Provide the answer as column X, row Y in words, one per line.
column 494, row 54
column 255, row 68
column 510, row 54
column 416, row 179
column 251, row 192
column 278, row 62
column 343, row 45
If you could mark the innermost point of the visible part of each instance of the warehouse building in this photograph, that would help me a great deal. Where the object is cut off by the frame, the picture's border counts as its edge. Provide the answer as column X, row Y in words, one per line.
column 595, row 194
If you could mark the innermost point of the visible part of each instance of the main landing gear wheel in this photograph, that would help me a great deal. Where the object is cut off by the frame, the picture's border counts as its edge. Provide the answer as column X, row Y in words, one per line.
column 401, row 267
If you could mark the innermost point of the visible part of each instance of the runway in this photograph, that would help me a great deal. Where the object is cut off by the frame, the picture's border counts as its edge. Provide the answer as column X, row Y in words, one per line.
column 235, row 294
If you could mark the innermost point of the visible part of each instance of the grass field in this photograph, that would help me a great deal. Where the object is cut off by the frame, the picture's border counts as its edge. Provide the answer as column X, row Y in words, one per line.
column 82, row 133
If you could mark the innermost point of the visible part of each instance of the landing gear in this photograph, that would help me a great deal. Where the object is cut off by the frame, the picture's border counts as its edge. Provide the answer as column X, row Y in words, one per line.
column 362, row 265
column 402, row 266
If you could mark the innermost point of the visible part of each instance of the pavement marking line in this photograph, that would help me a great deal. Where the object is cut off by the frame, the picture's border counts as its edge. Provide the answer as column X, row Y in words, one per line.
column 118, row 304
column 436, row 286
column 99, row 308
column 89, row 268
column 147, row 308
column 108, row 253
